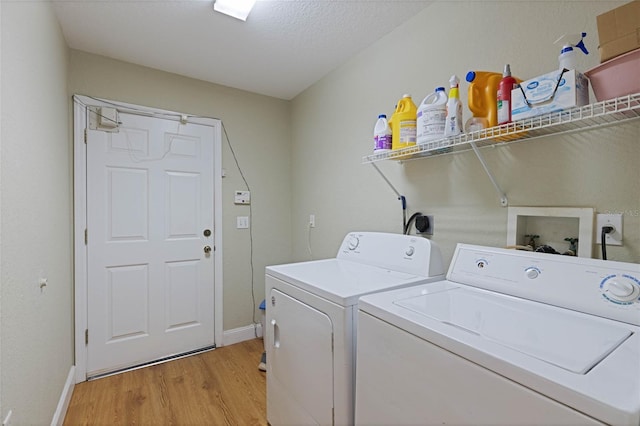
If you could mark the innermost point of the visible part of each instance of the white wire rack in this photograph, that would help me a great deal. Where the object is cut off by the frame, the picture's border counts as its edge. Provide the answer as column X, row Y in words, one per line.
column 590, row 116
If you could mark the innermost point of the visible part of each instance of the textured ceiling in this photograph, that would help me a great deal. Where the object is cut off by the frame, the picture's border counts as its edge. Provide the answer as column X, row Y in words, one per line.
column 284, row 46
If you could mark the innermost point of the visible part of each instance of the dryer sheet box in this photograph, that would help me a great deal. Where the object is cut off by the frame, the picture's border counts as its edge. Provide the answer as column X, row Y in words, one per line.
column 543, row 94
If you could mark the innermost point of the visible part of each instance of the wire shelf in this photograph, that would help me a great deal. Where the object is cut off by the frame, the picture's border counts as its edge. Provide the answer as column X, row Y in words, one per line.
column 575, row 119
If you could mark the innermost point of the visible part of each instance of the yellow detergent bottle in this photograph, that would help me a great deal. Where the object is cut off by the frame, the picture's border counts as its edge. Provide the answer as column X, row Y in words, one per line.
column 403, row 123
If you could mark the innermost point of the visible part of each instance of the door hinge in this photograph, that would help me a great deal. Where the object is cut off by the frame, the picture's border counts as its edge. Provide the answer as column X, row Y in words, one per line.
column 86, row 337
column 85, row 135
column 86, row 237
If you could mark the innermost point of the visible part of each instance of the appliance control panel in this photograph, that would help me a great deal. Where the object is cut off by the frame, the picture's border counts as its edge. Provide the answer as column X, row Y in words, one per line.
column 599, row 287
column 403, row 253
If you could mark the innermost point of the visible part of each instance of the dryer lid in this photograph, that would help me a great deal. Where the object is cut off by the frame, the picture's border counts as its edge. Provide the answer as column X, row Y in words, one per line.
column 342, row 281
column 567, row 339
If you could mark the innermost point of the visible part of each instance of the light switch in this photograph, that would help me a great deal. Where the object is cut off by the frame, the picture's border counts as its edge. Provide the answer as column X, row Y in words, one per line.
column 242, row 222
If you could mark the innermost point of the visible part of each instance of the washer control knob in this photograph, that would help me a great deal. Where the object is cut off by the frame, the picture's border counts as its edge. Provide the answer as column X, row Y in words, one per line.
column 532, row 273
column 621, row 289
column 353, row 242
column 410, row 251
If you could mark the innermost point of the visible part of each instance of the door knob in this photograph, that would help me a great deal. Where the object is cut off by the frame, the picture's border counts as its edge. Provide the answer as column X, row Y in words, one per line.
column 207, row 249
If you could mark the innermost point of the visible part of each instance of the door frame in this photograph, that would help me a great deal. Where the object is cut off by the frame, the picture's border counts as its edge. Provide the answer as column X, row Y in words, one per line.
column 80, row 104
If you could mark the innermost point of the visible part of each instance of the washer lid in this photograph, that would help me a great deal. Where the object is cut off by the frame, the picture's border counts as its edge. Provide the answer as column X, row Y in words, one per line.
column 559, row 337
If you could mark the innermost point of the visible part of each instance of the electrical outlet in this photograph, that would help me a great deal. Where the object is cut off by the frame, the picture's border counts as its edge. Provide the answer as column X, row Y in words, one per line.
column 424, row 224
column 312, row 220
column 615, row 220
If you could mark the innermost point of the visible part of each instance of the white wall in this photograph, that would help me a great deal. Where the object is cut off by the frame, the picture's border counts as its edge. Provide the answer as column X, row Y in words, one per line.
column 332, row 125
column 35, row 194
column 259, row 129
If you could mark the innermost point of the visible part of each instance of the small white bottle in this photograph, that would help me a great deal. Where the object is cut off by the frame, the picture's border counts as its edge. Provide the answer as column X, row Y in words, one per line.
column 382, row 135
column 454, row 109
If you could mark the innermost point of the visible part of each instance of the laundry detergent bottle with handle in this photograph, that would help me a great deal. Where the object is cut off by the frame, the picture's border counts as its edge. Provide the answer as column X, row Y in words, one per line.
column 482, row 98
column 453, row 125
column 432, row 116
column 403, row 123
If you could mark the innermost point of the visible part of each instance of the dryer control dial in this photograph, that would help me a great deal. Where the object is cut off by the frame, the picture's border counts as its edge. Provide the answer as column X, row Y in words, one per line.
column 353, row 242
column 481, row 263
column 410, row 250
column 620, row 289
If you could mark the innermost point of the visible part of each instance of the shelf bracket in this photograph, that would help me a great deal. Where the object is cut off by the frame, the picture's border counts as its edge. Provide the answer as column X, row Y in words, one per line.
column 401, row 197
column 504, row 202
column 393, row 188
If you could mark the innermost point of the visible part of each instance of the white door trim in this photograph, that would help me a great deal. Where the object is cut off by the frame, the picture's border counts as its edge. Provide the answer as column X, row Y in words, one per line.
column 80, row 103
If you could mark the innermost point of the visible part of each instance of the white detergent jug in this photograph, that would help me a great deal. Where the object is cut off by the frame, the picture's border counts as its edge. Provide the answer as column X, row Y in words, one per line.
column 432, row 115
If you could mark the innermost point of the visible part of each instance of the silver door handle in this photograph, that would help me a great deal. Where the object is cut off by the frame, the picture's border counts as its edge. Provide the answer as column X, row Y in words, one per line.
column 207, row 249
column 276, row 334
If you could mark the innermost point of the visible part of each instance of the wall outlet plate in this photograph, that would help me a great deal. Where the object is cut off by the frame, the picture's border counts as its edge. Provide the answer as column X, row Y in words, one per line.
column 615, row 220
column 242, row 197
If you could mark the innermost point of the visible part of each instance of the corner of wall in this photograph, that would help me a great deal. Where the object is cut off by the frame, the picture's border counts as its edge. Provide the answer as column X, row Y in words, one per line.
column 65, row 398
column 1, row 120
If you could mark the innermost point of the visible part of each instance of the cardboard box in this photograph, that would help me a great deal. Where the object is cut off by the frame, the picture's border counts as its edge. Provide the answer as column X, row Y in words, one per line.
column 544, row 94
column 619, row 30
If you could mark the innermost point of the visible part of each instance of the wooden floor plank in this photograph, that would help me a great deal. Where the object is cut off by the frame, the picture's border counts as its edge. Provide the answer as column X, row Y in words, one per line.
column 219, row 387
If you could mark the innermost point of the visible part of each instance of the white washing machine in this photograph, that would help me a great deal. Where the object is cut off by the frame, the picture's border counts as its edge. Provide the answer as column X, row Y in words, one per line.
column 508, row 338
column 311, row 316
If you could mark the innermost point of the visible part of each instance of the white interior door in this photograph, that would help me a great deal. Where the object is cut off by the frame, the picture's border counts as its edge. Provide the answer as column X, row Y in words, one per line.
column 150, row 217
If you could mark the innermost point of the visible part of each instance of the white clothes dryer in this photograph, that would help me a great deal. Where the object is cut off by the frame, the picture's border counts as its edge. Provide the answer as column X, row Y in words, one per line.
column 311, row 315
column 509, row 338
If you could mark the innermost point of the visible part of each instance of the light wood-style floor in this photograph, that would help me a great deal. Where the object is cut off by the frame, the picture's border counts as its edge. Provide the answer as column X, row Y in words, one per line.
column 220, row 387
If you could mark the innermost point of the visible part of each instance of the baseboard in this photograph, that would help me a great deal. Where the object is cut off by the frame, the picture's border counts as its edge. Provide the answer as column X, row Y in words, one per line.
column 65, row 398
column 241, row 334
